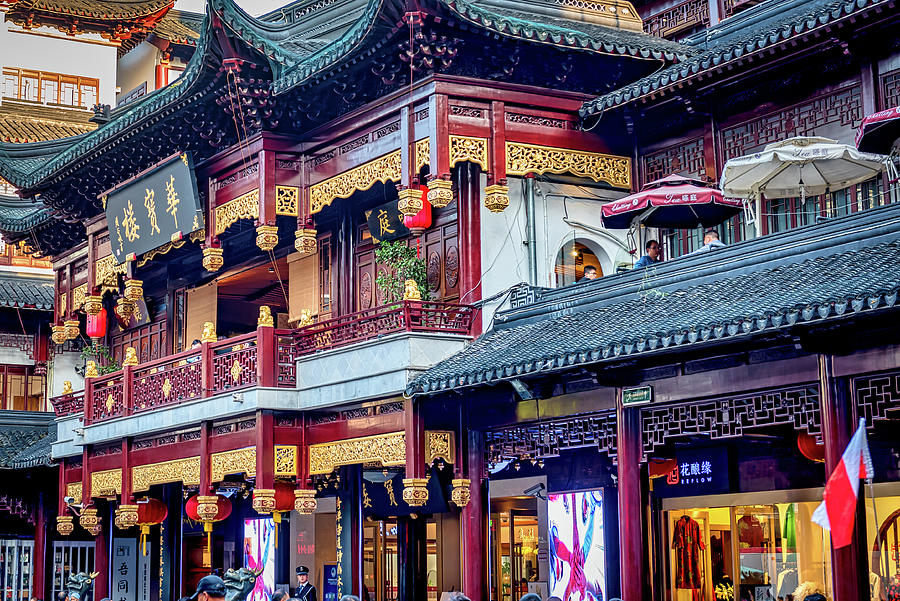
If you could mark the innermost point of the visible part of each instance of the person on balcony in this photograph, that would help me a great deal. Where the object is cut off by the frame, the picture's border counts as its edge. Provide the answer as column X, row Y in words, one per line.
column 710, row 242
column 590, row 273
column 651, row 256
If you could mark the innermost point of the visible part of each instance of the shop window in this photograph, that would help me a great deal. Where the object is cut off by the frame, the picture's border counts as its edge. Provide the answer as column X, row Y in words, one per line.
column 572, row 260
column 70, row 558
column 21, row 389
column 883, row 535
column 50, row 88
column 16, row 577
column 747, row 552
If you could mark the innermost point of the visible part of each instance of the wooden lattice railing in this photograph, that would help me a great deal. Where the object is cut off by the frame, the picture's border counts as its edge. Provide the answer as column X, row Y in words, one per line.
column 678, row 18
column 406, row 316
column 266, row 357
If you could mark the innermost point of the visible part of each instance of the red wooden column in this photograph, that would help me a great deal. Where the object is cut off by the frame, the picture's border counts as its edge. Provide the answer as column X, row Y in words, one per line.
column 469, row 186
column 632, row 550
column 265, row 356
column 205, row 484
column 472, row 520
column 264, row 490
column 39, row 556
column 848, row 564
column 414, row 484
column 265, row 225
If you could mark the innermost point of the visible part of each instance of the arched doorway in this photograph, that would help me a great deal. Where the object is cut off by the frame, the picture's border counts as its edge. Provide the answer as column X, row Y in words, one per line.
column 572, row 260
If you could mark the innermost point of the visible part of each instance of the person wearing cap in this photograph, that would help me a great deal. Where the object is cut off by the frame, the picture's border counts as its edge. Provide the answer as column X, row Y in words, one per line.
column 209, row 588
column 305, row 590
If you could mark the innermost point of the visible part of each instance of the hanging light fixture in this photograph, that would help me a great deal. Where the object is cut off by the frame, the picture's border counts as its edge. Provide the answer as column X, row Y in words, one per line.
column 440, row 192
column 72, row 329
column 208, row 509
column 305, row 241
column 409, row 201
column 134, row 290
column 60, row 333
column 421, row 221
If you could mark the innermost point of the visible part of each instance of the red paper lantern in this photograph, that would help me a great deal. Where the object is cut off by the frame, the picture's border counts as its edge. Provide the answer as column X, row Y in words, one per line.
column 284, row 496
column 224, row 505
column 810, row 448
column 421, row 221
column 150, row 513
column 96, row 324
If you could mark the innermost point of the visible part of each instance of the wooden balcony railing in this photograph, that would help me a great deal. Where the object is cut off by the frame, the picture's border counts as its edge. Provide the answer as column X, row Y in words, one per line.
column 678, row 18
column 405, row 316
column 267, row 358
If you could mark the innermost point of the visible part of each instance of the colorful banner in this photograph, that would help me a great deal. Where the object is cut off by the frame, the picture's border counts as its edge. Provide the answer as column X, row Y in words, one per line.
column 577, row 547
column 259, row 553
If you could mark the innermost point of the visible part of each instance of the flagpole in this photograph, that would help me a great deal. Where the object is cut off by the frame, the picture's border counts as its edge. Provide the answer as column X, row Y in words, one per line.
column 871, row 484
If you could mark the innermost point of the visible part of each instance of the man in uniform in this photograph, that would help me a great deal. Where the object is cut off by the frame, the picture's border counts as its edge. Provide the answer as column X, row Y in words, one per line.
column 305, row 590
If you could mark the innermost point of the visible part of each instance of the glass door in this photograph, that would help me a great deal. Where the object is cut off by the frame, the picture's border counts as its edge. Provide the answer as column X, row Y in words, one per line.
column 380, row 576
column 15, row 569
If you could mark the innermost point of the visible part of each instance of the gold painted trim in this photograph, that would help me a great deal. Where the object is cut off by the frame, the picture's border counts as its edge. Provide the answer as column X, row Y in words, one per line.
column 165, row 248
column 245, row 206
column 440, row 444
column 423, row 153
column 383, row 169
column 285, row 460
column 463, row 148
column 186, row 471
column 105, row 272
column 73, row 489
column 386, row 449
column 287, row 200
column 237, row 461
column 522, row 159
column 78, row 297
column 106, row 483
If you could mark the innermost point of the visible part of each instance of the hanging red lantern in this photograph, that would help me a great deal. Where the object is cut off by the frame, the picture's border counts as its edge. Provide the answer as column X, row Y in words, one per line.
column 421, row 221
column 197, row 508
column 810, row 449
column 96, row 324
column 284, row 501
column 151, row 512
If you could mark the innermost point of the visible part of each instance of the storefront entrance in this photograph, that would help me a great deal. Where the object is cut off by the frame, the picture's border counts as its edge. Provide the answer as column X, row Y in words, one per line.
column 381, row 569
column 757, row 552
column 514, row 547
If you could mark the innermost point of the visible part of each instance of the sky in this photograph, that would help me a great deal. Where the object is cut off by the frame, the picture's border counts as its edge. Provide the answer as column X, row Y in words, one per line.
column 254, row 7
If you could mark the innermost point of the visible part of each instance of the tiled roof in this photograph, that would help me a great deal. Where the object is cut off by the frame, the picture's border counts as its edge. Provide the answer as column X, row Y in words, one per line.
column 23, row 122
column 17, row 215
column 26, row 291
column 811, row 275
column 295, row 58
column 109, row 10
column 35, row 455
column 750, row 32
column 21, row 437
column 180, row 27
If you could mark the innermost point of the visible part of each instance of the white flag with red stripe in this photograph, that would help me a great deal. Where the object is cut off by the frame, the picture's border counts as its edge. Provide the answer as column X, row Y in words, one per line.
column 837, row 512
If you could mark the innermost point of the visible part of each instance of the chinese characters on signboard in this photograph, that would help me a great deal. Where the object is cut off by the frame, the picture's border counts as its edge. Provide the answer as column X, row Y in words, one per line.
column 159, row 206
column 696, row 471
column 386, row 222
column 124, row 569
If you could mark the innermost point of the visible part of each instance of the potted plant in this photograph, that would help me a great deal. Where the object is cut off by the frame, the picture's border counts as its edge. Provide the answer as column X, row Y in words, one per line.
column 401, row 264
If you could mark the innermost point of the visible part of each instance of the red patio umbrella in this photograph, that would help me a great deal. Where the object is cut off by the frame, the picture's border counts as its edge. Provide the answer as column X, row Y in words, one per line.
column 672, row 202
column 879, row 131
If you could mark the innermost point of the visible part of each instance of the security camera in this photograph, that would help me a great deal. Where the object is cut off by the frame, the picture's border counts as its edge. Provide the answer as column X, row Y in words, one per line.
column 79, row 431
column 237, row 397
column 536, row 491
column 69, row 500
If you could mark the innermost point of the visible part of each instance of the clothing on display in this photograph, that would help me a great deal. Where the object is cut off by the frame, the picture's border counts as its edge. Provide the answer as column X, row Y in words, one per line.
column 750, row 532
column 790, row 529
column 687, row 542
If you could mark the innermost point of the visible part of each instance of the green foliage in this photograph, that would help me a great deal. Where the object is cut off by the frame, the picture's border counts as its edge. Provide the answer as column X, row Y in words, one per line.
column 401, row 264
column 101, row 355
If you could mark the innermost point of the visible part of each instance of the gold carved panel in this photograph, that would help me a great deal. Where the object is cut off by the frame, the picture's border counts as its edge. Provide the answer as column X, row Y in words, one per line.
column 238, row 461
column 61, row 307
column 245, row 206
column 287, row 200
column 522, row 159
column 186, row 471
column 73, row 489
column 386, row 449
column 463, row 148
column 78, row 297
column 440, row 444
column 423, row 153
column 383, row 169
column 285, row 460
column 106, row 483
column 105, row 272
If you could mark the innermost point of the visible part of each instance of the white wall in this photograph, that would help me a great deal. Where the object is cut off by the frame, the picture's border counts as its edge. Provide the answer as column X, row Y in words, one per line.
column 48, row 49
column 62, row 368
column 137, row 67
column 13, row 356
column 562, row 212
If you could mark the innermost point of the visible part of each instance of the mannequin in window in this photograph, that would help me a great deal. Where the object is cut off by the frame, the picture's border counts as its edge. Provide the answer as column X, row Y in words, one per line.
column 750, row 531
column 687, row 542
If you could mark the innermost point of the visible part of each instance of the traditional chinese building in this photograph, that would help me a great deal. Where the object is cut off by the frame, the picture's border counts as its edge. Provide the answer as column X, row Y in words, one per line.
column 218, row 237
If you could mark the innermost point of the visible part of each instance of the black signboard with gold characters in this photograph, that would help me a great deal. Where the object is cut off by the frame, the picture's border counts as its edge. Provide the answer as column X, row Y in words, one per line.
column 158, row 206
column 386, row 222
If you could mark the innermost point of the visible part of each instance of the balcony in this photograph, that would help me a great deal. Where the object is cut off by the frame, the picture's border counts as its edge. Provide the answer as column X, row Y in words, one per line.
column 266, row 364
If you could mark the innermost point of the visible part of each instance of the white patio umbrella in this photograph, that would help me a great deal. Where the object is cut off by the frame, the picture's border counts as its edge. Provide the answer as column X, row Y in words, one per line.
column 799, row 167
